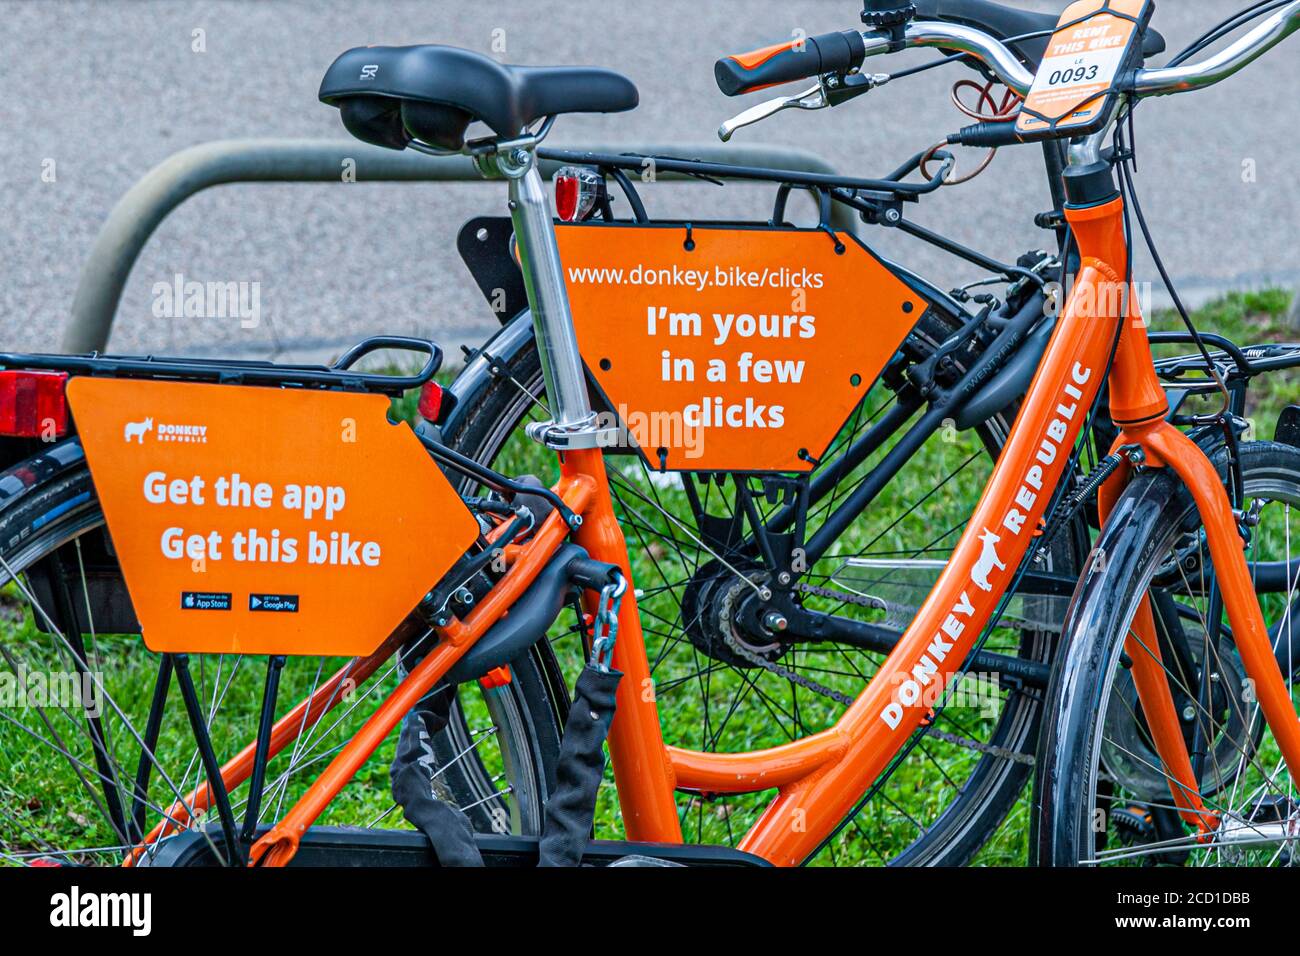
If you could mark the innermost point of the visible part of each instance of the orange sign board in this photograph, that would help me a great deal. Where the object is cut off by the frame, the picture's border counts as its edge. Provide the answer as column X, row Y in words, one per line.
column 1085, row 56
column 266, row 521
column 734, row 349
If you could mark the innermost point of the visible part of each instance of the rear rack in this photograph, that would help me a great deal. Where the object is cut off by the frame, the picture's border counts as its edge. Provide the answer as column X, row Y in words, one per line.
column 888, row 186
column 338, row 377
column 1234, row 363
column 876, row 201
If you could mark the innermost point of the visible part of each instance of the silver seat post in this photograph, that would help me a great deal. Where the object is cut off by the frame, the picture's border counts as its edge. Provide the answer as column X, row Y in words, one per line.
column 557, row 343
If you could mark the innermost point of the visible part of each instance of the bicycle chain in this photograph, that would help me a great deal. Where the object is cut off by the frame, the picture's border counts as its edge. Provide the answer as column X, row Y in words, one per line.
column 861, row 600
column 993, row 750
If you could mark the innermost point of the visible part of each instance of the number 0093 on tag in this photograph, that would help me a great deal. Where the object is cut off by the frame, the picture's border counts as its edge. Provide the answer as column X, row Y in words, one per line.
column 736, row 349
column 1093, row 44
column 266, row 521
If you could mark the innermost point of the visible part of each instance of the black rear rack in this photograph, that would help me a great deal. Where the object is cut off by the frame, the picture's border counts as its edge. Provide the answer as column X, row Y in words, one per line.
column 339, row 376
column 1233, row 362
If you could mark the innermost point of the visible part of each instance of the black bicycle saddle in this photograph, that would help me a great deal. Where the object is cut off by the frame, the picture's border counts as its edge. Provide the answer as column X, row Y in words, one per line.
column 388, row 95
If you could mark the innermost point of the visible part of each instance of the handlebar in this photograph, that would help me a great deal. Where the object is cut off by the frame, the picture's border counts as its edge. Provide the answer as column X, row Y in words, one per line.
column 781, row 64
column 785, row 62
column 1226, row 62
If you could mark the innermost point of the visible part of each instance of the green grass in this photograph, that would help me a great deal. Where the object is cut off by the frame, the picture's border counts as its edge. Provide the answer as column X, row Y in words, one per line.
column 40, row 799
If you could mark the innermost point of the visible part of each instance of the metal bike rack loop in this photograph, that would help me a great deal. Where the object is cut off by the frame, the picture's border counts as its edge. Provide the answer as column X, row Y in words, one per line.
column 177, row 178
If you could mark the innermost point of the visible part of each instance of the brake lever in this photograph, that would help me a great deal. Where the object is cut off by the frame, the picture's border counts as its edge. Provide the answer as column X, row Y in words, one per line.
column 813, row 98
column 831, row 90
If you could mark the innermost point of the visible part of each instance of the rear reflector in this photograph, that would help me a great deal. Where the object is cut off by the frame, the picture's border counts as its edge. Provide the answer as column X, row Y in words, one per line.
column 436, row 402
column 496, row 677
column 32, row 404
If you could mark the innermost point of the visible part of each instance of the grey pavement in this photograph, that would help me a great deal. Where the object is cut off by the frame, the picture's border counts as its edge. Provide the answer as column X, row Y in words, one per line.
column 101, row 92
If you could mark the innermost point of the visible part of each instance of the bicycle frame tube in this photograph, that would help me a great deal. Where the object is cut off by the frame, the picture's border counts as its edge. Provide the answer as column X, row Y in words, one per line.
column 641, row 769
column 280, row 843
column 539, row 258
column 808, row 809
column 285, row 731
column 821, row 777
column 930, row 653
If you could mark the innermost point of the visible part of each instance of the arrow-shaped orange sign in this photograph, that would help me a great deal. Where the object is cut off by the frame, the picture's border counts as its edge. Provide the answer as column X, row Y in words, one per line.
column 266, row 521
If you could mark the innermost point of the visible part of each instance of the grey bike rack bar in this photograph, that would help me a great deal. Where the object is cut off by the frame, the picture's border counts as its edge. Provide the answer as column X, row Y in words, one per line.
column 138, row 213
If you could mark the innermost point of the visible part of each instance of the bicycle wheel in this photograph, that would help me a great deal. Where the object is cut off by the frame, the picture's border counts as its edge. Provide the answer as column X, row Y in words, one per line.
column 1102, row 793
column 75, row 700
column 960, row 782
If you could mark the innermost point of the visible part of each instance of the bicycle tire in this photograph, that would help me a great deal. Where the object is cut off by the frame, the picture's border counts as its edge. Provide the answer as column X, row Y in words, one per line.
column 63, row 511
column 1154, row 512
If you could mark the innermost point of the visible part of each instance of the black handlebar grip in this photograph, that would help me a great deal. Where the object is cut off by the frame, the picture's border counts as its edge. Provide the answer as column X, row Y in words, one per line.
column 787, row 62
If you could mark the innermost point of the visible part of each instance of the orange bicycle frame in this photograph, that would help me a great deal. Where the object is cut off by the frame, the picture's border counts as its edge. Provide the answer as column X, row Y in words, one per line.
column 1100, row 336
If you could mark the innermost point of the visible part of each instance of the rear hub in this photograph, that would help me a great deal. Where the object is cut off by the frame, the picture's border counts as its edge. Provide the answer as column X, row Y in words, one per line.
column 714, row 615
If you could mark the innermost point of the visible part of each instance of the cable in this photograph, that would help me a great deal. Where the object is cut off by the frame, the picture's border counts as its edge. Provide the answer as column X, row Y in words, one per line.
column 912, row 71
column 1005, row 112
column 1234, row 22
column 996, row 113
column 1126, row 157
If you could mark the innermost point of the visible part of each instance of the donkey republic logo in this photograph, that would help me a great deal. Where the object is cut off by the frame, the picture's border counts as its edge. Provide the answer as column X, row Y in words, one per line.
column 192, row 434
column 988, row 561
column 137, row 430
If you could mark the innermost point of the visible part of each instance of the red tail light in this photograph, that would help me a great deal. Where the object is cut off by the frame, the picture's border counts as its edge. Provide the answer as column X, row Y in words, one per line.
column 32, row 404
column 577, row 188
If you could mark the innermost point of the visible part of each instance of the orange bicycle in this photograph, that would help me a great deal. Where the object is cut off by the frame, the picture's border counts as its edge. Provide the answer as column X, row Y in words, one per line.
column 1145, row 715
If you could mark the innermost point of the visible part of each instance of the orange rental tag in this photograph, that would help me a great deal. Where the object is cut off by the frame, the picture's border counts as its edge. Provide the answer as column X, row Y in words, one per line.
column 266, row 521
column 735, row 350
column 1081, row 65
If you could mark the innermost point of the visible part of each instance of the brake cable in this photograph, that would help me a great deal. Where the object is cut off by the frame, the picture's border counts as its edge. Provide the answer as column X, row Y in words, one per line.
column 1126, row 161
column 1010, row 100
column 954, row 57
column 996, row 113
